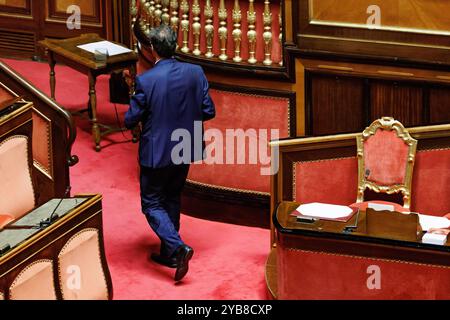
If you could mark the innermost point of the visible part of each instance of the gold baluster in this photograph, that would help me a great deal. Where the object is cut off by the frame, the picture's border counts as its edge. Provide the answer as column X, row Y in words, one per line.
column 223, row 30
column 158, row 13
column 148, row 18
column 267, row 35
column 151, row 14
column 280, row 37
column 174, row 20
column 196, row 26
column 237, row 32
column 133, row 12
column 251, row 34
column 185, row 25
column 143, row 20
column 209, row 29
column 165, row 12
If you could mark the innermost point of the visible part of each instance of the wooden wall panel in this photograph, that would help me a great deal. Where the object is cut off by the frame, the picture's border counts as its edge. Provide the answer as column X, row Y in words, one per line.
column 88, row 7
column 409, row 14
column 15, row 6
column 24, row 22
column 337, row 104
column 402, row 101
column 440, row 105
column 91, row 11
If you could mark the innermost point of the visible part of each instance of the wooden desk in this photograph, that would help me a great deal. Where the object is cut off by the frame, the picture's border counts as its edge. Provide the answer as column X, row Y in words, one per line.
column 67, row 52
column 320, row 261
column 65, row 260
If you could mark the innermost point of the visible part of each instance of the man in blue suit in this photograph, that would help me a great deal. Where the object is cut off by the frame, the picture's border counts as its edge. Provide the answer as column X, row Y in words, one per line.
column 169, row 98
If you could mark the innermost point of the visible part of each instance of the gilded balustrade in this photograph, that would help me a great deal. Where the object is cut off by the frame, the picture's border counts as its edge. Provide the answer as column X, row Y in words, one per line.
column 196, row 21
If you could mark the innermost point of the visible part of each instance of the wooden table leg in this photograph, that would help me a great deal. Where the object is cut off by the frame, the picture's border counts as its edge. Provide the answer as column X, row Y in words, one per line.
column 52, row 63
column 136, row 130
column 93, row 111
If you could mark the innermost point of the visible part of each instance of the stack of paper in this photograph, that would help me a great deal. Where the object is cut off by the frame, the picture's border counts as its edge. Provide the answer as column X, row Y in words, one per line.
column 434, row 238
column 431, row 222
column 325, row 211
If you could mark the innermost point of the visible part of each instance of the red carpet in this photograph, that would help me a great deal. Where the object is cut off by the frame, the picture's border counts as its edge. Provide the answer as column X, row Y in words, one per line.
column 229, row 260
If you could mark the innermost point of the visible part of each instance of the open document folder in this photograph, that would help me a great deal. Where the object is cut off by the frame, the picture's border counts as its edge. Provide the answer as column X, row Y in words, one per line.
column 325, row 211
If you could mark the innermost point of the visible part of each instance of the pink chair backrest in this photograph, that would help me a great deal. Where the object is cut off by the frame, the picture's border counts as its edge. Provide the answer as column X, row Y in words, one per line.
column 16, row 187
column 385, row 158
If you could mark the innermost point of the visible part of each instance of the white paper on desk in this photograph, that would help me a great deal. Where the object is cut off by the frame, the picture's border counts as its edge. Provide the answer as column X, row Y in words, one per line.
column 428, row 222
column 112, row 48
column 324, row 210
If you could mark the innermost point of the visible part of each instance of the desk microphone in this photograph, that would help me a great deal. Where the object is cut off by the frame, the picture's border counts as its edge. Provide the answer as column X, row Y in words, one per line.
column 350, row 229
column 45, row 223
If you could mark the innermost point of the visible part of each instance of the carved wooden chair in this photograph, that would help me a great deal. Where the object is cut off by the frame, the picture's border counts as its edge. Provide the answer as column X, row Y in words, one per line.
column 16, row 187
column 386, row 155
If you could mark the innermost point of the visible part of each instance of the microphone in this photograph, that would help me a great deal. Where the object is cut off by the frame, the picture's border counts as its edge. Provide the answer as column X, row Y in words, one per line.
column 45, row 223
column 351, row 228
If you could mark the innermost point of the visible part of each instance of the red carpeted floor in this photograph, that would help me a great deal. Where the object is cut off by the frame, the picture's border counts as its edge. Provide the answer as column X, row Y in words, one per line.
column 229, row 260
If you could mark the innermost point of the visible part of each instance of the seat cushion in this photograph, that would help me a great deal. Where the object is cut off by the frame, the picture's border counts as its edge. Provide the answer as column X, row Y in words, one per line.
column 363, row 205
column 5, row 219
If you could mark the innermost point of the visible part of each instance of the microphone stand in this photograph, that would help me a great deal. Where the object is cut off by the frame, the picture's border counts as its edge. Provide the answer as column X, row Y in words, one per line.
column 45, row 223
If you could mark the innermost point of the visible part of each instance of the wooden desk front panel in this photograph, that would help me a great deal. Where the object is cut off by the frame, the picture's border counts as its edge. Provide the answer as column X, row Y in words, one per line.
column 319, row 261
column 48, row 244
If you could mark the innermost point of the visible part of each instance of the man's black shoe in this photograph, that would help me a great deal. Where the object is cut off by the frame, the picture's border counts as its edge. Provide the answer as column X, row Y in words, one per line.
column 183, row 255
column 165, row 261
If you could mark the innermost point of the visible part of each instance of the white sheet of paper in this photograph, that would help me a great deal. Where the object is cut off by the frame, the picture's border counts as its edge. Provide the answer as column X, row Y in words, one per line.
column 113, row 49
column 380, row 207
column 428, row 222
column 324, row 210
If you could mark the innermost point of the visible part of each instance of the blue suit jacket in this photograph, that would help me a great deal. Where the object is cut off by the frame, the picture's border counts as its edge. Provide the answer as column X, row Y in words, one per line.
column 171, row 101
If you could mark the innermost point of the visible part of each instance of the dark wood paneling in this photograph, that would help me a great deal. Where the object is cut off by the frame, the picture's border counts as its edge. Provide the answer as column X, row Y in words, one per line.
column 22, row 27
column 402, row 101
column 439, row 105
column 337, row 104
column 16, row 7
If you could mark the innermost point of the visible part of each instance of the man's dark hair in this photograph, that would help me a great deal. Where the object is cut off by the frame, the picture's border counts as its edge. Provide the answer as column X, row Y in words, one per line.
column 163, row 40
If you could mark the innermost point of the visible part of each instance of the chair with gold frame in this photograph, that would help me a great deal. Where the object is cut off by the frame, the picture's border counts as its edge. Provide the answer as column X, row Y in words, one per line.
column 386, row 156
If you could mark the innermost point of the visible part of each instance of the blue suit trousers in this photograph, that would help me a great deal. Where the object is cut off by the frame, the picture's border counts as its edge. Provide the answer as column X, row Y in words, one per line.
column 161, row 201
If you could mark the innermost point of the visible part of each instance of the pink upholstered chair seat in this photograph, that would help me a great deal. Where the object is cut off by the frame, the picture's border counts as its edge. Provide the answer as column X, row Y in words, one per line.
column 364, row 205
column 5, row 219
